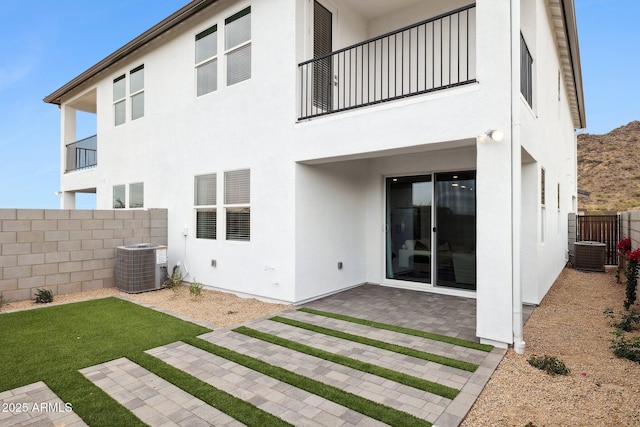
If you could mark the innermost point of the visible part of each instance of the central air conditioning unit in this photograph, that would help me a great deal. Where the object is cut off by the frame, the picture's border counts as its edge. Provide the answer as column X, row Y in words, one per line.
column 589, row 256
column 141, row 267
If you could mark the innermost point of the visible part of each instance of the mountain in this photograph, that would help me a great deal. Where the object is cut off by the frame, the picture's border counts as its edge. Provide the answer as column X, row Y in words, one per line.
column 609, row 169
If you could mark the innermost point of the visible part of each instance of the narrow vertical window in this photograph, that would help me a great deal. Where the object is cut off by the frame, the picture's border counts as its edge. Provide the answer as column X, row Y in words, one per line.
column 526, row 71
column 543, row 211
column 136, row 195
column 237, row 45
column 205, row 195
column 136, row 91
column 119, row 100
column 119, row 197
column 542, row 187
column 207, row 61
column 237, row 199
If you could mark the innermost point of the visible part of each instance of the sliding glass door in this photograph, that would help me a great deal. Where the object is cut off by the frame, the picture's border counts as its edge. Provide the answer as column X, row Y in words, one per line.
column 409, row 229
column 431, row 229
column 456, row 229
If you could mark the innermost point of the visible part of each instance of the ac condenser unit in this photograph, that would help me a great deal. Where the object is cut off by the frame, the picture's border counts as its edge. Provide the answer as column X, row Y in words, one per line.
column 589, row 256
column 141, row 267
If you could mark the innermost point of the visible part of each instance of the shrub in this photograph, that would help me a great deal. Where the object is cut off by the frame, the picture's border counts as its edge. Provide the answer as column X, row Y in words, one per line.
column 2, row 301
column 195, row 288
column 627, row 348
column 174, row 281
column 43, row 296
column 550, row 364
column 628, row 321
column 633, row 258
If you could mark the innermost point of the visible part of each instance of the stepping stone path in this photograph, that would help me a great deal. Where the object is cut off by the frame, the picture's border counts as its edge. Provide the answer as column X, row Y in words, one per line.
column 36, row 405
column 157, row 402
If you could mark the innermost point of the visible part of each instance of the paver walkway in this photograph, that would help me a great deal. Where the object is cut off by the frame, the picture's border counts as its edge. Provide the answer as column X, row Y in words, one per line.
column 36, row 405
column 159, row 403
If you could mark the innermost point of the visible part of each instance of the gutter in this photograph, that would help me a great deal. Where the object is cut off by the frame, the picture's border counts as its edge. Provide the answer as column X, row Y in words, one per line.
column 571, row 30
column 192, row 8
column 516, row 181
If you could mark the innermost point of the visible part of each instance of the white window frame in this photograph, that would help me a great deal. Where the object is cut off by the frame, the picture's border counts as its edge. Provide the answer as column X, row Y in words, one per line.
column 235, row 48
column 122, row 202
column 205, row 205
column 237, row 202
column 133, row 190
column 207, row 61
column 120, row 101
column 136, row 93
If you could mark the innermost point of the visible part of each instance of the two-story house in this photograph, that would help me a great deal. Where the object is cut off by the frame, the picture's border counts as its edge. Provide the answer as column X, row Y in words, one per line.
column 303, row 147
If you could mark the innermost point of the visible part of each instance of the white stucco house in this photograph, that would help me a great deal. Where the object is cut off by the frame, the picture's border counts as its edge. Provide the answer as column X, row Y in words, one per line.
column 303, row 147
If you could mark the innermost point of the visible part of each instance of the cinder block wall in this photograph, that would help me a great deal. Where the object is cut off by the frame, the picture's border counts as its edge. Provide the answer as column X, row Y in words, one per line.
column 69, row 250
column 631, row 227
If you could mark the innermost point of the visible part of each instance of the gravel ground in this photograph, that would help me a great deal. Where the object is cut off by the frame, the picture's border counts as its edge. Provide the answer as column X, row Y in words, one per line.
column 601, row 390
column 217, row 308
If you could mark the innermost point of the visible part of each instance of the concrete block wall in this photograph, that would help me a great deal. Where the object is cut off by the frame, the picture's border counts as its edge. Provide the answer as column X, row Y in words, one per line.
column 631, row 227
column 69, row 250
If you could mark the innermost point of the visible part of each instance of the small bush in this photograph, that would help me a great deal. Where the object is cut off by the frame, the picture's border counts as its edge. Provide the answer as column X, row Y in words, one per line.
column 550, row 364
column 174, row 281
column 628, row 321
column 195, row 288
column 2, row 301
column 627, row 348
column 43, row 296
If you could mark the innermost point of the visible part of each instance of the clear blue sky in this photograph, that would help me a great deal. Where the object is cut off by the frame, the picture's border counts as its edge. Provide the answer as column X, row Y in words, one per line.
column 46, row 43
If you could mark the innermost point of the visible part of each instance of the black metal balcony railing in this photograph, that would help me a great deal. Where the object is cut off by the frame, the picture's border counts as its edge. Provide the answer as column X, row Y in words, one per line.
column 434, row 54
column 82, row 154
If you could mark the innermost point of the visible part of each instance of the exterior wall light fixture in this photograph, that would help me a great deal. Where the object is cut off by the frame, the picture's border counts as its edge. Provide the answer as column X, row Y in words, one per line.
column 496, row 134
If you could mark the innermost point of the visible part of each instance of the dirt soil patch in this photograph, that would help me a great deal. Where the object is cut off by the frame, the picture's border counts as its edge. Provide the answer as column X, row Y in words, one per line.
column 219, row 309
column 601, row 390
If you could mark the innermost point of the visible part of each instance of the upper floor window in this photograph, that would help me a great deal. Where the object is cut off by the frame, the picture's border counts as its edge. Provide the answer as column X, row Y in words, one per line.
column 136, row 95
column 207, row 61
column 526, row 72
column 237, row 45
column 136, row 91
column 119, row 100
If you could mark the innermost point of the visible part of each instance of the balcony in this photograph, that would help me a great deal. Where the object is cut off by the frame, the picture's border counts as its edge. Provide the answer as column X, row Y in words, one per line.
column 82, row 154
column 435, row 54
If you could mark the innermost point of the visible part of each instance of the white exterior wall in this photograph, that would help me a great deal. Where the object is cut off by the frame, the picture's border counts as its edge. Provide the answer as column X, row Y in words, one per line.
column 548, row 137
column 317, row 187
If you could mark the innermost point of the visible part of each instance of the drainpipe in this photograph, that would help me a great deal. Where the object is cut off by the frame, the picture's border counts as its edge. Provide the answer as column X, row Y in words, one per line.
column 516, row 179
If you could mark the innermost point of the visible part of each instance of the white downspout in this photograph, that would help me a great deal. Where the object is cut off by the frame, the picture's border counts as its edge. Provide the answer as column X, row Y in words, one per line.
column 516, row 179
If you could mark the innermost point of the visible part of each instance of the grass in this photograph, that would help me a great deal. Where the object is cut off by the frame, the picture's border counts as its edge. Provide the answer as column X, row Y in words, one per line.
column 51, row 344
column 422, row 334
column 407, row 351
column 352, row 401
column 399, row 377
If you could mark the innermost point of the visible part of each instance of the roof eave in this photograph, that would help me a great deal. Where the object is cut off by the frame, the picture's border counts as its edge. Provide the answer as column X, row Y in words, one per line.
column 157, row 30
column 571, row 29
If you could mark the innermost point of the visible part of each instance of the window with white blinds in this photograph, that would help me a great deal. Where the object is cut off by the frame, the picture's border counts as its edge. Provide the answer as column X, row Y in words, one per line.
column 119, row 100
column 136, row 96
column 205, row 195
column 119, row 197
column 237, row 46
column 136, row 195
column 136, row 91
column 207, row 61
column 237, row 199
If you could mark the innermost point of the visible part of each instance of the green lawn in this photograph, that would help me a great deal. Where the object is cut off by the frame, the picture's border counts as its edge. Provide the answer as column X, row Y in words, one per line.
column 50, row 344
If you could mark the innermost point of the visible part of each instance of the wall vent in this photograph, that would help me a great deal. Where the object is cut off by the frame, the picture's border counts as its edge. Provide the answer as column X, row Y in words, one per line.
column 589, row 256
column 141, row 267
